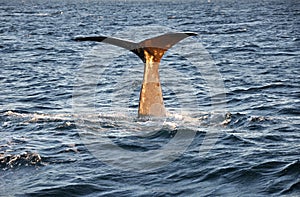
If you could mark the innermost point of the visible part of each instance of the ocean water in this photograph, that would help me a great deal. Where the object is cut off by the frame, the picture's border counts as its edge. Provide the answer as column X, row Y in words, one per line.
column 68, row 110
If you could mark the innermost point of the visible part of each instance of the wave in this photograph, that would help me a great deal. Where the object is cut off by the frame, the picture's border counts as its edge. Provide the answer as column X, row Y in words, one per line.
column 38, row 117
column 16, row 160
column 290, row 111
column 70, row 190
column 125, row 120
column 259, row 88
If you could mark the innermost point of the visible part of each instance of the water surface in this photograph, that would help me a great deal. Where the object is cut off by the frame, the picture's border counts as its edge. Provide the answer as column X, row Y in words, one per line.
column 255, row 46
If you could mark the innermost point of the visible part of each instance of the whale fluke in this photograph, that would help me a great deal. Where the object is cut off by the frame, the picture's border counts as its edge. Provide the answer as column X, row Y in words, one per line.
column 150, row 51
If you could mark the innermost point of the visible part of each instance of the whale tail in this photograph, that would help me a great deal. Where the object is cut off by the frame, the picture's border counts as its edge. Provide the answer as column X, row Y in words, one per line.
column 150, row 51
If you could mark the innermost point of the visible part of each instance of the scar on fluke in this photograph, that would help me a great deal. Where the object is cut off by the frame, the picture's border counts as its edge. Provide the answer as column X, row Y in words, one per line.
column 150, row 51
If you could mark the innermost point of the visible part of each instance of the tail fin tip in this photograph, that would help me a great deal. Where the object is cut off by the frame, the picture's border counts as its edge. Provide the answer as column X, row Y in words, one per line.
column 90, row 38
column 191, row 33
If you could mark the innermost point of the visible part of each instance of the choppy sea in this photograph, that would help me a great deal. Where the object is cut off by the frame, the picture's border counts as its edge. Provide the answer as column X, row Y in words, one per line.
column 68, row 110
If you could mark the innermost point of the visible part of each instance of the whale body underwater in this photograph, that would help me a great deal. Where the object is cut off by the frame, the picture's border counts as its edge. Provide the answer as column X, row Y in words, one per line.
column 150, row 51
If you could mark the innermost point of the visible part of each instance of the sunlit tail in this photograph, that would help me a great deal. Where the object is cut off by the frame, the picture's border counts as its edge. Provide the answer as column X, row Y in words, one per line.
column 150, row 51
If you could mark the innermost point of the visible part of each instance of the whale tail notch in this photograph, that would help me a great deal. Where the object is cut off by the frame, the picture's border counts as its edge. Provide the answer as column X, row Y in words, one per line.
column 150, row 51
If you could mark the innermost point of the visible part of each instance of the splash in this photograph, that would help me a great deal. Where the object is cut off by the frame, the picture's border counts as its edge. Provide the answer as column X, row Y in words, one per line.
column 24, row 159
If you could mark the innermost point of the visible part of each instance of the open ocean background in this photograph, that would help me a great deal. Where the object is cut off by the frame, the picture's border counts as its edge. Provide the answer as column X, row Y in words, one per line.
column 255, row 46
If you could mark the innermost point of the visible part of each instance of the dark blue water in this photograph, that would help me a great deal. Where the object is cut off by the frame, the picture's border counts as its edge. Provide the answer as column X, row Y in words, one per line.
column 249, row 146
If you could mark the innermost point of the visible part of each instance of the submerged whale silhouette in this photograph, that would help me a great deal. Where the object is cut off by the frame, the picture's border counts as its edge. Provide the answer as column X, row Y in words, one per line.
column 150, row 51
